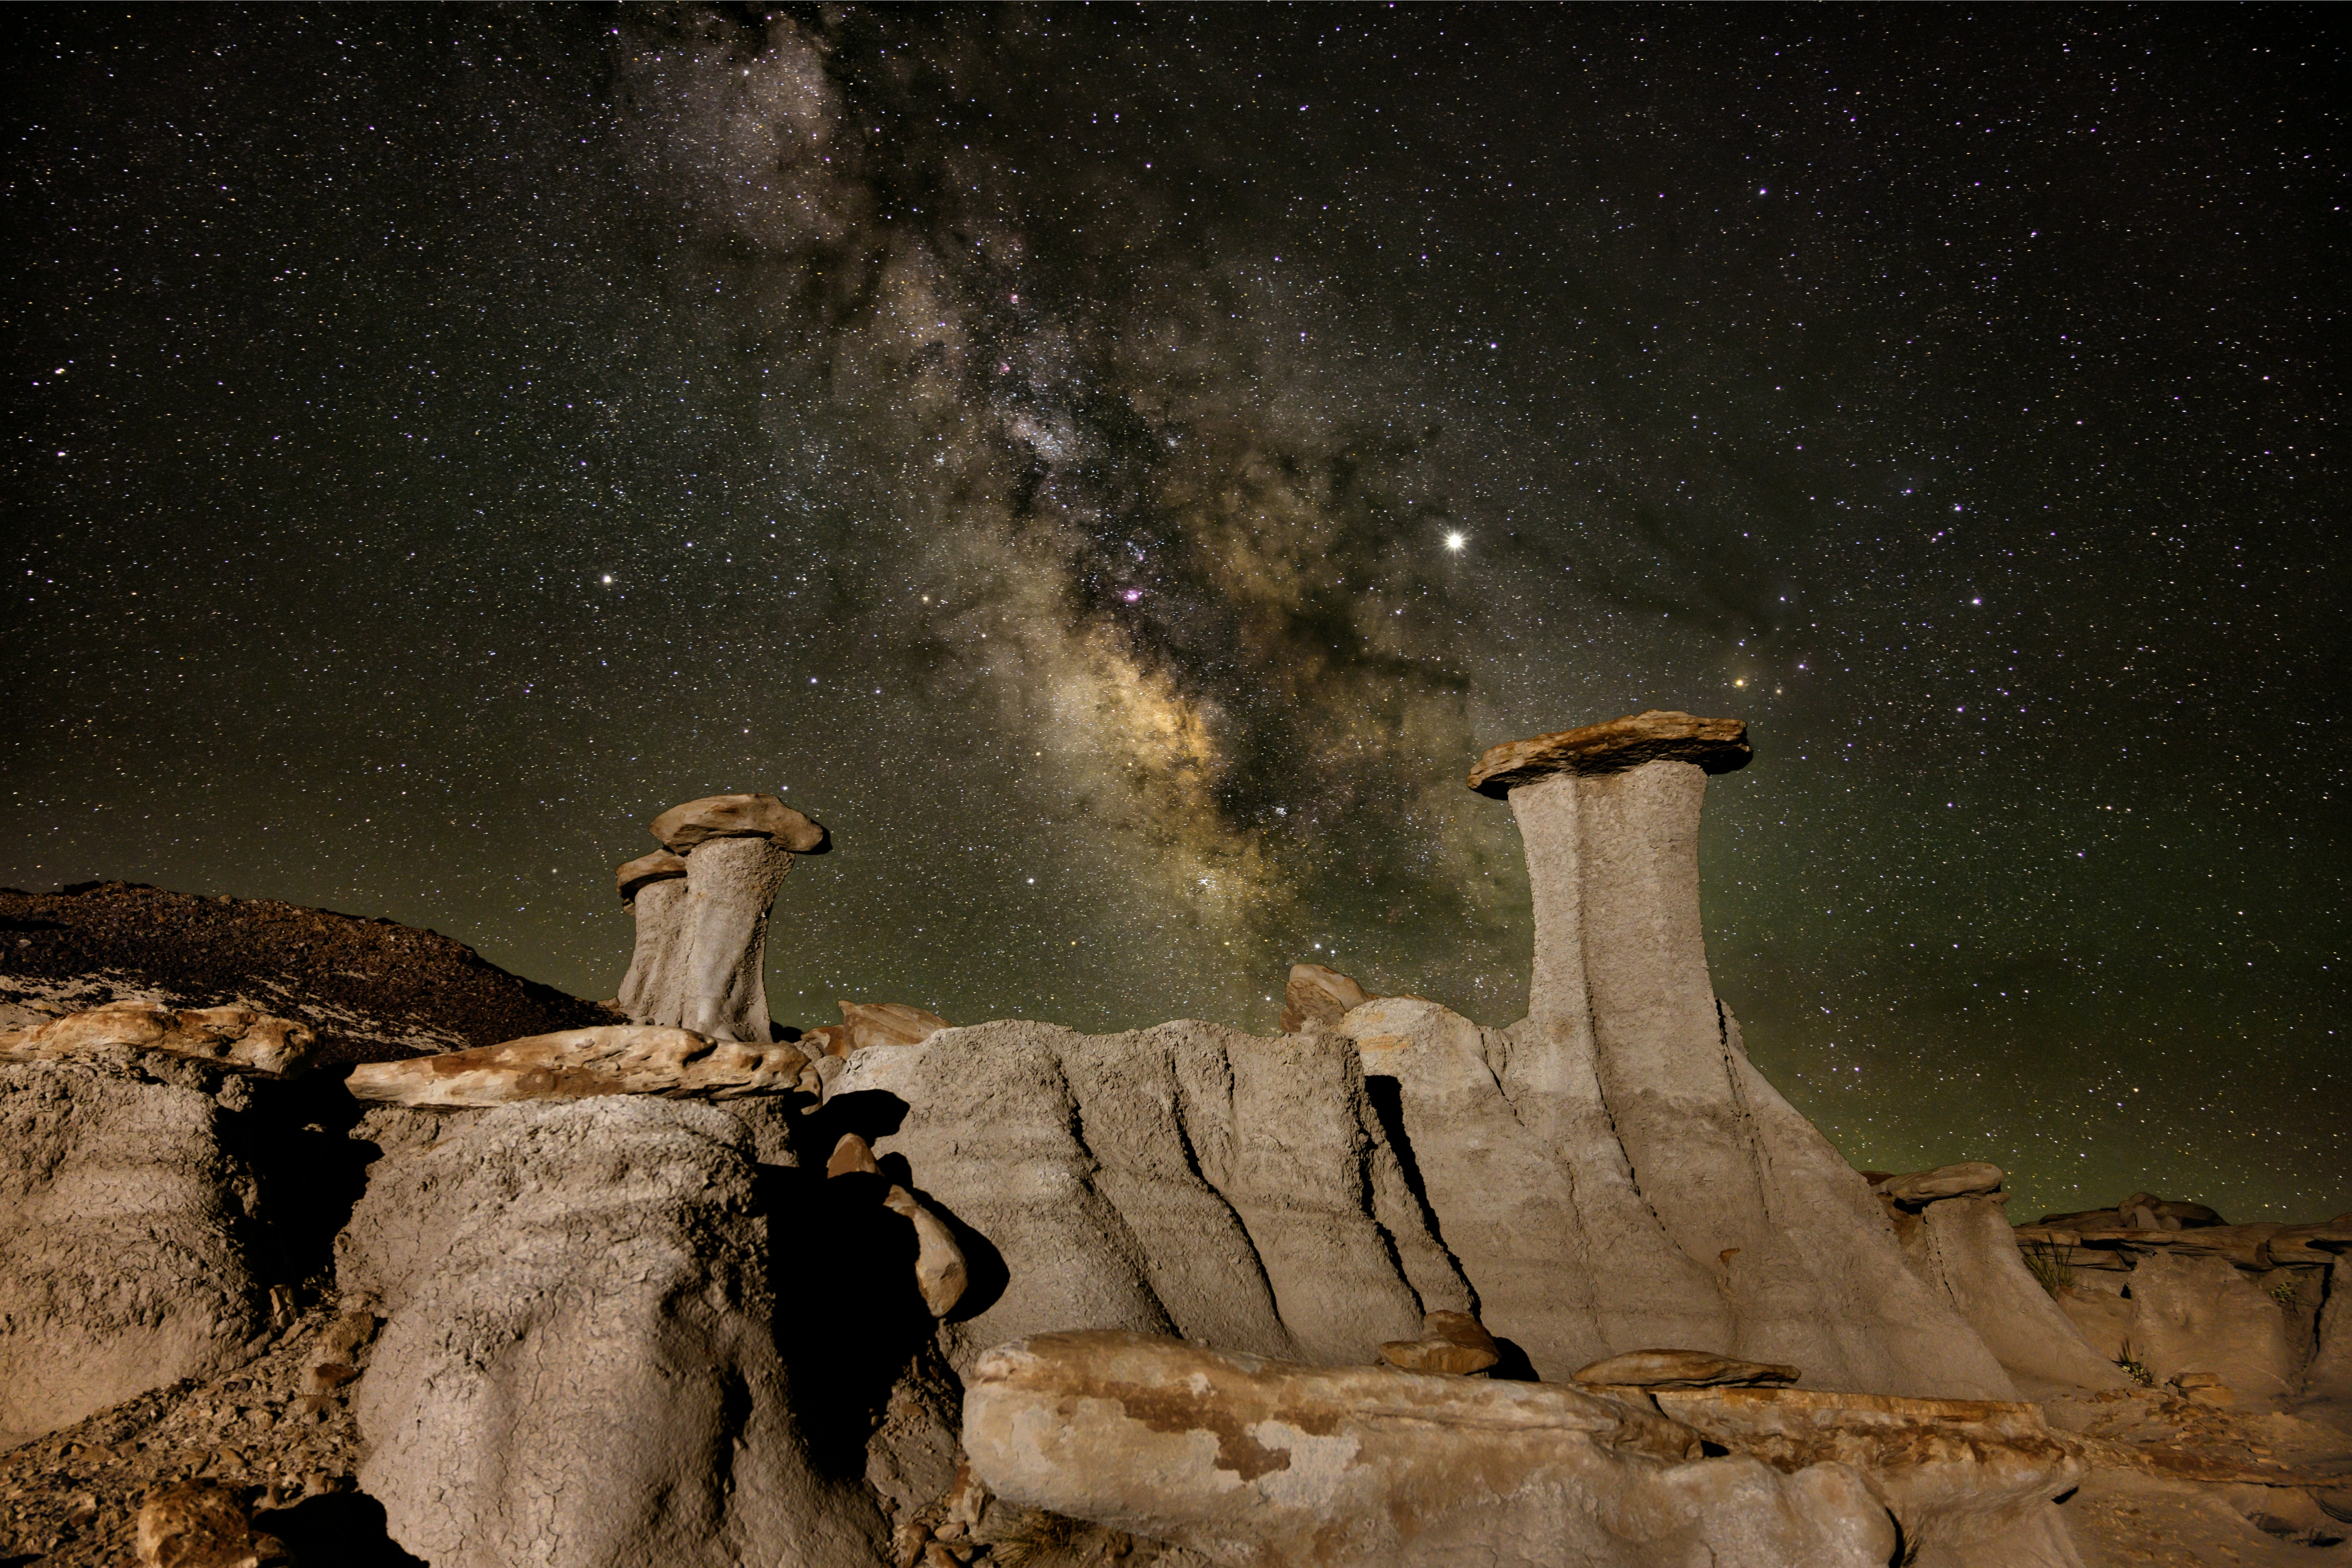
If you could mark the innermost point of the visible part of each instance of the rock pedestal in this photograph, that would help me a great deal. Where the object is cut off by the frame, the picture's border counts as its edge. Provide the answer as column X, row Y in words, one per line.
column 653, row 886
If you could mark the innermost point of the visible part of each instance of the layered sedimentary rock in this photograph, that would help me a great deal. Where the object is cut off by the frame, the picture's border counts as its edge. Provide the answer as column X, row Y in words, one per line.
column 235, row 1038
column 578, row 1366
column 127, row 1241
column 705, row 955
column 579, row 1064
column 1611, row 1173
column 867, row 1024
column 1186, row 1179
column 1250, row 1461
column 1965, row 1251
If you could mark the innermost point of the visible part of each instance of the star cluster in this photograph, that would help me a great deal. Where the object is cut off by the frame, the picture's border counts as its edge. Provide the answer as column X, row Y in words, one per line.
column 1119, row 467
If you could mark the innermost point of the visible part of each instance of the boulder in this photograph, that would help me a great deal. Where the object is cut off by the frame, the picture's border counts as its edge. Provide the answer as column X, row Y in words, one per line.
column 1317, row 997
column 578, row 1364
column 2196, row 1313
column 1920, row 1188
column 1680, row 1369
column 235, row 1038
column 1451, row 1342
column 864, row 1023
column 1965, row 1251
column 852, row 1156
column 578, row 1064
column 128, row 1242
column 1187, row 1179
column 202, row 1524
column 1970, row 1481
column 1250, row 1461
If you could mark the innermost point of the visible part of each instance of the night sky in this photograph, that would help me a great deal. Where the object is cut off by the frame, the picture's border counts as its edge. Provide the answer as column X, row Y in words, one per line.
column 1118, row 469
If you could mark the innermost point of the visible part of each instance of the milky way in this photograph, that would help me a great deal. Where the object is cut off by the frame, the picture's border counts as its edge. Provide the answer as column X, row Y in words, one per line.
column 1118, row 469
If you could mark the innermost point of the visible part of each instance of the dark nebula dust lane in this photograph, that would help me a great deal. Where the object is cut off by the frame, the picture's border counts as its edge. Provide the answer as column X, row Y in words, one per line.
column 1118, row 468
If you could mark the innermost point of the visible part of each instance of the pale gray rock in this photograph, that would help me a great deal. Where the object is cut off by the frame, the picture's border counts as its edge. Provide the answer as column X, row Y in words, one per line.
column 126, row 1229
column 654, row 887
column 720, row 986
column 1249, row 1461
column 1188, row 1178
column 1965, row 1251
column 1968, row 1179
column 235, row 1038
column 1680, row 1369
column 578, row 1365
column 1970, row 1481
column 579, row 1064
column 2196, row 1313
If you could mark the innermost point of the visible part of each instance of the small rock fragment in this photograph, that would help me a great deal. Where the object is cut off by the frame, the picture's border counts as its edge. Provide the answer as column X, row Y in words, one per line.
column 1451, row 1342
column 939, row 1271
column 197, row 1524
column 853, row 1153
column 1683, row 1369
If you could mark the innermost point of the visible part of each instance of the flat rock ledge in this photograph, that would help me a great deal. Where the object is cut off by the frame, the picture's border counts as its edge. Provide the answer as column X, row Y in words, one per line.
column 580, row 1064
column 235, row 1038
column 1659, row 735
column 1249, row 1460
column 1680, row 1369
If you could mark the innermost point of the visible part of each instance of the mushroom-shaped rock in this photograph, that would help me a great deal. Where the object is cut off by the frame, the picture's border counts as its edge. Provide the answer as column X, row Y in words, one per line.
column 235, row 1038
column 939, row 1271
column 1317, row 997
column 1717, row 745
column 683, row 827
column 1966, row 1179
column 737, row 849
column 654, row 887
column 1449, row 1342
column 864, row 1023
column 1681, row 1369
column 581, row 1064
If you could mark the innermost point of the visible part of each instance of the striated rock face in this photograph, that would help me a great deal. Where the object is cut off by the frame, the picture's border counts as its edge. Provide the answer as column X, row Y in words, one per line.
column 1970, row 1481
column 235, row 1038
column 653, row 887
column 1964, row 1250
column 580, row 1064
column 578, row 1365
column 2201, row 1314
column 126, row 1237
column 1250, row 1461
column 1186, row 1179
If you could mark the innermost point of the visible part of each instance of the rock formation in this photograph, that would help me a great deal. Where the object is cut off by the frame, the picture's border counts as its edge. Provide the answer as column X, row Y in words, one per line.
column 578, row 1363
column 653, row 889
column 864, row 1023
column 235, row 1038
column 1680, row 1369
column 623, row 1059
column 704, row 956
column 1317, row 997
column 127, row 1238
column 1250, row 1461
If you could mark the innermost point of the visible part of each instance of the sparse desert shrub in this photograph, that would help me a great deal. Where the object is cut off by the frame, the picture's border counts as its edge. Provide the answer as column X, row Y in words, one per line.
column 2284, row 1292
column 2133, row 1369
column 2048, row 1264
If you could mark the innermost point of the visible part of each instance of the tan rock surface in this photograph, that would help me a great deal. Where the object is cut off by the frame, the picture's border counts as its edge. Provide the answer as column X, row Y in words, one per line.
column 1718, row 745
column 236, row 1037
column 1449, row 1342
column 575, row 1064
column 200, row 1524
column 1966, row 1179
column 940, row 1273
column 867, row 1024
column 657, row 867
column 1249, row 1461
column 682, row 828
column 852, row 1156
column 1958, row 1474
column 1681, row 1369
column 1316, row 997
column 2314, row 1243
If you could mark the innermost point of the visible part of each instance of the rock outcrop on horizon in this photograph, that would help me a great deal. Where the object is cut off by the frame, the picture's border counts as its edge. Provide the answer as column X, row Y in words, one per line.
column 579, row 1064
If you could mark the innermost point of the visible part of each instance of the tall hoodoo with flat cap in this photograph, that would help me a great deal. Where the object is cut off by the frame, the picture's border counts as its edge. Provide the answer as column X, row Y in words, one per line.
column 735, row 850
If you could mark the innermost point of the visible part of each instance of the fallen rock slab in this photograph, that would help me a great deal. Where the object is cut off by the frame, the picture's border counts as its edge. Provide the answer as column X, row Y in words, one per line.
column 580, row 1064
column 1978, row 1475
column 1681, row 1369
column 1317, row 997
column 1920, row 1187
column 235, row 1038
column 1255, row 1462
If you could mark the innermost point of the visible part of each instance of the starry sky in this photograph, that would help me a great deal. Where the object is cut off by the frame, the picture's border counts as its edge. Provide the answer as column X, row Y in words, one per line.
column 1118, row 469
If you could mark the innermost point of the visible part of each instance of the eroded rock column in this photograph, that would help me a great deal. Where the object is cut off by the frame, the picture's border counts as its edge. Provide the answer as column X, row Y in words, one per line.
column 737, row 849
column 653, row 886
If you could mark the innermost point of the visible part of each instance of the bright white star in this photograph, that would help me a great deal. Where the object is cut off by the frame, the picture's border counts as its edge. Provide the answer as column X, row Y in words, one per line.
column 1455, row 540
